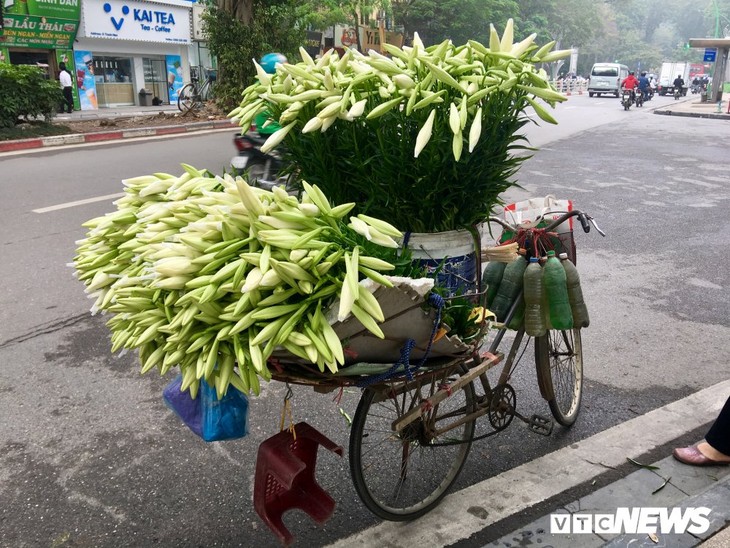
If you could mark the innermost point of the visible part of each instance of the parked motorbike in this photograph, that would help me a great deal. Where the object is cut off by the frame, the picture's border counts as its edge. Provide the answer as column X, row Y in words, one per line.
column 626, row 99
column 261, row 168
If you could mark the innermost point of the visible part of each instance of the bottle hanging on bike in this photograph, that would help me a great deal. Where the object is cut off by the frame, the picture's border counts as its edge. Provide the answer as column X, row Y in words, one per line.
column 575, row 293
column 544, row 300
column 556, row 288
column 534, row 319
column 509, row 287
column 492, row 277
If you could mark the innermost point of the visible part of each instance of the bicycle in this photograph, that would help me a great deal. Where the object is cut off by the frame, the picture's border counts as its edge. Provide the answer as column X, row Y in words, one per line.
column 410, row 437
column 193, row 94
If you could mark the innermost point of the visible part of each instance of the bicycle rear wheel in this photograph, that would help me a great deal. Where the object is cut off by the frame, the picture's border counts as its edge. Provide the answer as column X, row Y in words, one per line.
column 401, row 476
column 559, row 361
column 186, row 98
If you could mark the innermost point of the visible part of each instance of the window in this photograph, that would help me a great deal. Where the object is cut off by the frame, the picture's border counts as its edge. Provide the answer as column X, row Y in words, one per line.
column 604, row 71
column 112, row 70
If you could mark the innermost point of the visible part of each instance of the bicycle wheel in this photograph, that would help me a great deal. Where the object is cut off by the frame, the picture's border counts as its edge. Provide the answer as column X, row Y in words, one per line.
column 559, row 361
column 402, row 476
column 186, row 98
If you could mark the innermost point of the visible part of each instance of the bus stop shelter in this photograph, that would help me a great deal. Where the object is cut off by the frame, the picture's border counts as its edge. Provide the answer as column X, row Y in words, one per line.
column 722, row 46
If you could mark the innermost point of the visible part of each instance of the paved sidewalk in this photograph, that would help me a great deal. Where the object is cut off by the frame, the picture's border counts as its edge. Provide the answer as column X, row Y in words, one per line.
column 671, row 485
column 693, row 107
column 178, row 124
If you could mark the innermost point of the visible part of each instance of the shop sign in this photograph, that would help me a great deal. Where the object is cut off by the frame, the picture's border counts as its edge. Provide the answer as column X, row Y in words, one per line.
column 38, row 32
column 143, row 21
column 345, row 37
column 371, row 38
column 58, row 9
column 313, row 43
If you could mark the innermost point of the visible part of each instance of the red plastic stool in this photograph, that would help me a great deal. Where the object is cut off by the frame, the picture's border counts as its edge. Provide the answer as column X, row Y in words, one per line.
column 285, row 478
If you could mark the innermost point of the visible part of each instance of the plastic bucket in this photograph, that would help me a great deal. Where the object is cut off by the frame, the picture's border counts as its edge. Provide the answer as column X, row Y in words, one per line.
column 449, row 257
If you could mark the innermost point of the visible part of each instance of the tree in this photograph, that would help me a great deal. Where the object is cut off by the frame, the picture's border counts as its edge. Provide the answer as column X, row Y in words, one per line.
column 458, row 20
column 239, row 31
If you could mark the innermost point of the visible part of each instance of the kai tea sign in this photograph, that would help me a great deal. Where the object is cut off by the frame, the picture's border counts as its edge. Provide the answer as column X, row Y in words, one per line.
column 129, row 20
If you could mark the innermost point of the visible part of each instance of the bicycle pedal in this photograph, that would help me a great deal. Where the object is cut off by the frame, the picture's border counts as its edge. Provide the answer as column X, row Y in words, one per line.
column 540, row 425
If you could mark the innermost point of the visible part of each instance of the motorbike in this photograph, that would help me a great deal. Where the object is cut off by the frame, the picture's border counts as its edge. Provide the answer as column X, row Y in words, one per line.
column 639, row 101
column 677, row 92
column 626, row 99
column 263, row 169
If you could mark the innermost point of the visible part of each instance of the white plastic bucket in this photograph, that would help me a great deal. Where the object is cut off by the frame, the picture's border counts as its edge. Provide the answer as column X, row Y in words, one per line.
column 450, row 257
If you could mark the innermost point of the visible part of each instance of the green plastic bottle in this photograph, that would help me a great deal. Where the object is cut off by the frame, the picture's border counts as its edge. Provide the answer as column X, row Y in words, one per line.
column 491, row 278
column 556, row 288
column 575, row 293
column 534, row 319
column 518, row 317
column 544, row 299
column 509, row 287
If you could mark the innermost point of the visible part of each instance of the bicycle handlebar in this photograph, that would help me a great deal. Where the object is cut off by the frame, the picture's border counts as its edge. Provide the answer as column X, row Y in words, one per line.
column 584, row 219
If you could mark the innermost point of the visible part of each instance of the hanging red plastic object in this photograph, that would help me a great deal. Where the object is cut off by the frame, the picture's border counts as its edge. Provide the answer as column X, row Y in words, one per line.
column 285, row 478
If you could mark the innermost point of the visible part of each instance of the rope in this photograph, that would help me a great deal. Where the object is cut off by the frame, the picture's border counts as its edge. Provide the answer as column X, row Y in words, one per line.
column 436, row 301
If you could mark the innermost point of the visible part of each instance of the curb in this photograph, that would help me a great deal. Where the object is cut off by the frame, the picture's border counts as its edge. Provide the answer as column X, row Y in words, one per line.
column 96, row 137
column 718, row 116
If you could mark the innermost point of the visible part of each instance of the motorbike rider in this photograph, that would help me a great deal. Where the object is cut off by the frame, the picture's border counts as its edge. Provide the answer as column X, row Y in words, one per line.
column 631, row 83
column 679, row 83
column 644, row 86
column 268, row 62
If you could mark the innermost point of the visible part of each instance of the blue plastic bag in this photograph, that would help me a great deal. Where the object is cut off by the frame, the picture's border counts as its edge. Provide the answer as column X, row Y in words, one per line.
column 224, row 419
column 183, row 405
column 210, row 418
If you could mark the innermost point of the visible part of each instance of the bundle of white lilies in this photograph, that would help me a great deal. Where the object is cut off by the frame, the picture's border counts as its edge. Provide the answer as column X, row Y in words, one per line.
column 211, row 275
column 437, row 122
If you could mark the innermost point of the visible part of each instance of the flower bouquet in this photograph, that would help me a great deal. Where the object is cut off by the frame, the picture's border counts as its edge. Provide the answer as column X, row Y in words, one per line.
column 424, row 137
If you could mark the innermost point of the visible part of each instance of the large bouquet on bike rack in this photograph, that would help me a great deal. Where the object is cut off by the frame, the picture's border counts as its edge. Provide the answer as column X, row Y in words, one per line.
column 211, row 275
column 424, row 137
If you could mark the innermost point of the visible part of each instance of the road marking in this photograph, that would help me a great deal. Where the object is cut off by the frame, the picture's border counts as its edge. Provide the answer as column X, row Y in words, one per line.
column 78, row 203
column 471, row 510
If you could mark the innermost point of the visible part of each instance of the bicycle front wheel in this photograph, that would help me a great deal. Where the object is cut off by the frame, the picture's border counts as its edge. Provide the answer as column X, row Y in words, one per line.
column 186, row 98
column 559, row 361
column 402, row 475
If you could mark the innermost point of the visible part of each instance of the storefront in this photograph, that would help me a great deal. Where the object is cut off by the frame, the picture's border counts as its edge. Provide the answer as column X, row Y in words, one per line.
column 39, row 33
column 130, row 52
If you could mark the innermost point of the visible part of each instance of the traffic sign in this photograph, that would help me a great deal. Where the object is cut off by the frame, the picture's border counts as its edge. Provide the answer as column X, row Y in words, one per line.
column 710, row 54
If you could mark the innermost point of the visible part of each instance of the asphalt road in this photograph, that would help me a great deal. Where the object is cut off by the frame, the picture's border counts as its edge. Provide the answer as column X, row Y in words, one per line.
column 89, row 455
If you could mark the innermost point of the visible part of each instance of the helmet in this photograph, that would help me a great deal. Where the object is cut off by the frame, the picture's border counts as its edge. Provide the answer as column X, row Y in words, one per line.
column 643, row 73
column 270, row 60
column 631, row 73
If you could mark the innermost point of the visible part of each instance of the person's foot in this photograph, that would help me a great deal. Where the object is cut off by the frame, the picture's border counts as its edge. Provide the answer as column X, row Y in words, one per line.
column 702, row 454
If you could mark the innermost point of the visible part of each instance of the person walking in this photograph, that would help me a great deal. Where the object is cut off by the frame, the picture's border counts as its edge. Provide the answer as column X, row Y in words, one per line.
column 715, row 450
column 64, row 77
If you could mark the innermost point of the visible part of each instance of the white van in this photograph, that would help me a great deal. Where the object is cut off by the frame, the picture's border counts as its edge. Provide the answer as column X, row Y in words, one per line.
column 607, row 78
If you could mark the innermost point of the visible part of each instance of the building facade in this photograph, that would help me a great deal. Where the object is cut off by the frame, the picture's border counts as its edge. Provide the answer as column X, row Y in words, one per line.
column 121, row 52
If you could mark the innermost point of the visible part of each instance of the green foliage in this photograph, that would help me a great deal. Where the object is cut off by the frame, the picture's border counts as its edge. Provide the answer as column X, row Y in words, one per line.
column 275, row 27
column 26, row 93
column 458, row 20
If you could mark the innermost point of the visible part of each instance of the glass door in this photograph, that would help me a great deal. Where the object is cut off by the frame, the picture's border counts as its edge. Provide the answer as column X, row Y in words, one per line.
column 155, row 78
